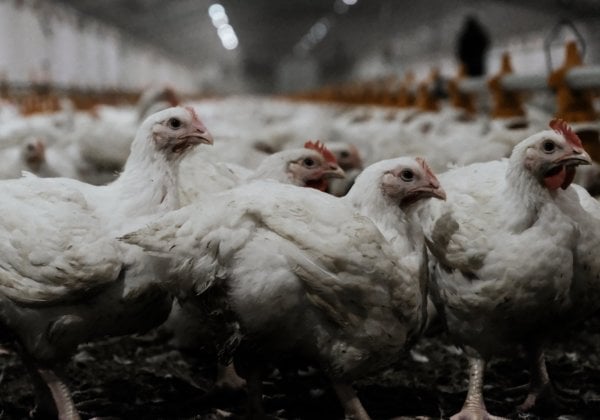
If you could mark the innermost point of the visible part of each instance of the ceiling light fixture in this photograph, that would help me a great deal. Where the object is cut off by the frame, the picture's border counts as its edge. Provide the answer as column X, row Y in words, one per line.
column 225, row 31
column 321, row 28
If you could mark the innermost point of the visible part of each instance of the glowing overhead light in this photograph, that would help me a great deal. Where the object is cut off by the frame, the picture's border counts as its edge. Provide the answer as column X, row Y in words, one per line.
column 228, row 37
column 221, row 20
column 215, row 11
column 225, row 31
column 218, row 15
column 230, row 42
column 319, row 30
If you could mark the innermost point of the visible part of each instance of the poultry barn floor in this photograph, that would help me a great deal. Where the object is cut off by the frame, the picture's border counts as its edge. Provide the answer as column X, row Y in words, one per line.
column 145, row 378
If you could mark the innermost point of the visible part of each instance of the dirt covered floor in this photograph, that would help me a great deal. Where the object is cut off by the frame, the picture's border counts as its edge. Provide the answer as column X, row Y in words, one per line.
column 145, row 378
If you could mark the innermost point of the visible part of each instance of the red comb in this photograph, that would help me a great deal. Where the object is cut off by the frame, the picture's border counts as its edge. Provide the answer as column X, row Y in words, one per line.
column 561, row 127
column 320, row 147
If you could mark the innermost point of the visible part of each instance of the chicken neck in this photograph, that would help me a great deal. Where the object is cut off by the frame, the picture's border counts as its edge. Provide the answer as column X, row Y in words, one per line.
column 147, row 186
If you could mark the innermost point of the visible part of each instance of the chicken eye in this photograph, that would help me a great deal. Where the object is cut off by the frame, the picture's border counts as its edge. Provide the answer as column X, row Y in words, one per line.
column 308, row 162
column 548, row 146
column 407, row 175
column 344, row 154
column 174, row 123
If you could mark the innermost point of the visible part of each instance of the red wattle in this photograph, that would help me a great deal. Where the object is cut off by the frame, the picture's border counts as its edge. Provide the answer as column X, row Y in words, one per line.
column 556, row 181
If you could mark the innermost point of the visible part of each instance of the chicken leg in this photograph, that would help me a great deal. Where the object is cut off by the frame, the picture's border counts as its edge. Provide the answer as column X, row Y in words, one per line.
column 255, row 408
column 227, row 378
column 474, row 407
column 53, row 399
column 539, row 382
column 353, row 408
column 541, row 391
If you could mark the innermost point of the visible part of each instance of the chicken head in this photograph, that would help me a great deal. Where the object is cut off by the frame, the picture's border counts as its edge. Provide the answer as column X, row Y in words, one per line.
column 314, row 167
column 347, row 155
column 34, row 152
column 552, row 156
column 176, row 130
column 411, row 180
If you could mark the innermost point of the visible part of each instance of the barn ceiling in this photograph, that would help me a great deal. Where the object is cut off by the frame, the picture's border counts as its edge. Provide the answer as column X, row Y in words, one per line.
column 269, row 30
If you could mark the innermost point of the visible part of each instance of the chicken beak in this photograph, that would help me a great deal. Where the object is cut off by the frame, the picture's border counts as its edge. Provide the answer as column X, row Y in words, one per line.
column 562, row 170
column 433, row 190
column 334, row 171
column 576, row 156
column 438, row 193
column 200, row 135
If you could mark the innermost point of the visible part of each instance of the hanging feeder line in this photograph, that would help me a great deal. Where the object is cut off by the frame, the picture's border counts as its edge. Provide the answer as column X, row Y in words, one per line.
column 585, row 77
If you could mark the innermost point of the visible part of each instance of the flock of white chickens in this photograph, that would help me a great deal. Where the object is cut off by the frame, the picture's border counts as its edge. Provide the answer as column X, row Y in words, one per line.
column 266, row 227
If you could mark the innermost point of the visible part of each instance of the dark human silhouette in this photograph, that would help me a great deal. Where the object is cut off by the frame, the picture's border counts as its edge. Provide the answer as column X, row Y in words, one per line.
column 472, row 45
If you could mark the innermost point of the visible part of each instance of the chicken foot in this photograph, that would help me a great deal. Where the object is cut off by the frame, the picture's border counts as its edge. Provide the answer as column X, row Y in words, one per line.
column 353, row 408
column 540, row 381
column 53, row 398
column 541, row 391
column 61, row 395
column 227, row 378
column 474, row 407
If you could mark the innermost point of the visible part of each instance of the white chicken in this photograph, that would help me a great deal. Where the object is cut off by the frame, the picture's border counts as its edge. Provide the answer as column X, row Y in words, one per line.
column 251, row 128
column 154, row 99
column 302, row 272
column 104, row 138
column 504, row 254
column 34, row 156
column 313, row 166
column 64, row 278
column 30, row 157
column 585, row 212
column 481, row 143
column 349, row 158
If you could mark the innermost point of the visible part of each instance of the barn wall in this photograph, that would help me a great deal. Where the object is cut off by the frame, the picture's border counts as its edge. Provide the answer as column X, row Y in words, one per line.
column 44, row 42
